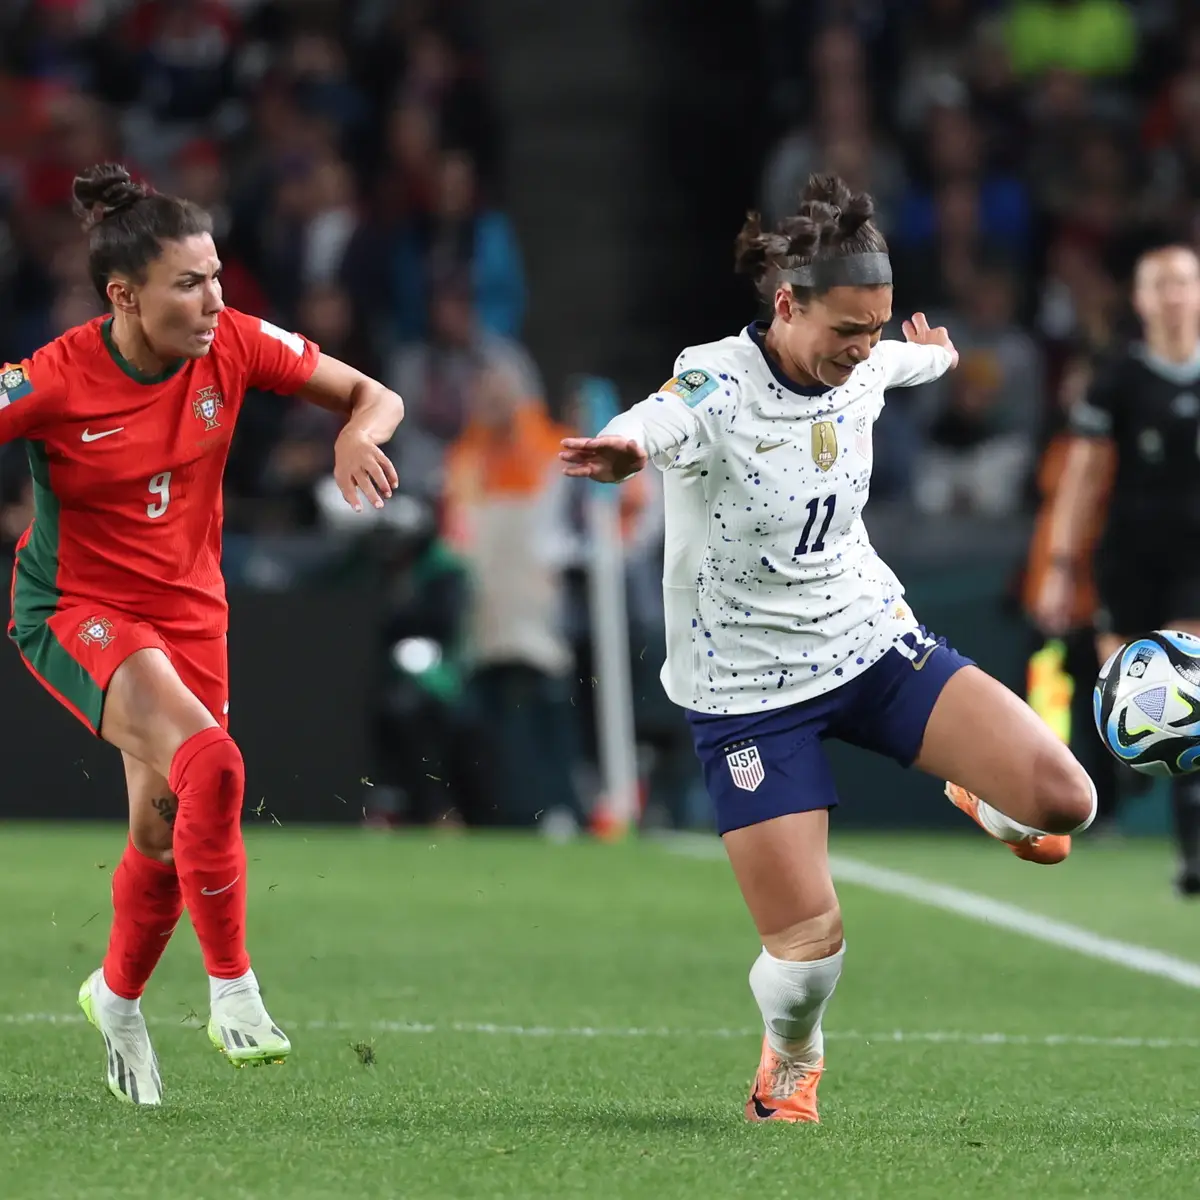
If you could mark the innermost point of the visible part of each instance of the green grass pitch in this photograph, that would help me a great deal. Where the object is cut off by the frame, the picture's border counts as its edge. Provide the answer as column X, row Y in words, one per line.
column 502, row 1017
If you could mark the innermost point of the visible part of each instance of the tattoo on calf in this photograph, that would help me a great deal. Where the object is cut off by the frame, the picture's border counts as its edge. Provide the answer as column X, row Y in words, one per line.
column 166, row 807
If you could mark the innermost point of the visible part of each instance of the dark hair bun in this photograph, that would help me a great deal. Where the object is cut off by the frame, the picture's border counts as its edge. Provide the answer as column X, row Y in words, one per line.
column 103, row 190
column 830, row 221
column 755, row 246
column 830, row 203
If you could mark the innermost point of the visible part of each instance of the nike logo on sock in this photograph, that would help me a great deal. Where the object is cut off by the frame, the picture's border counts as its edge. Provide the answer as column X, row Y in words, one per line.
column 218, row 891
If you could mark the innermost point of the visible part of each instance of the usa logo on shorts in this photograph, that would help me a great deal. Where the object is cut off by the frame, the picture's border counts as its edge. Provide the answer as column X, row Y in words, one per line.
column 746, row 768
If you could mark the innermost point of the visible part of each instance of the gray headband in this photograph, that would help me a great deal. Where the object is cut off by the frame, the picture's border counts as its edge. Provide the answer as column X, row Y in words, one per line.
column 850, row 270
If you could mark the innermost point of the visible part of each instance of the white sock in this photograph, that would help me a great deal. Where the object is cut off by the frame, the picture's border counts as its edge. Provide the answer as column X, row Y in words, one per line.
column 1095, row 808
column 119, row 1006
column 222, row 989
column 1005, row 828
column 792, row 997
column 1008, row 830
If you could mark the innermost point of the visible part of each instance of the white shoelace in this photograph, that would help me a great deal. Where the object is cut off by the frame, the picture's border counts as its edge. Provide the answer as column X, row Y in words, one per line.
column 787, row 1077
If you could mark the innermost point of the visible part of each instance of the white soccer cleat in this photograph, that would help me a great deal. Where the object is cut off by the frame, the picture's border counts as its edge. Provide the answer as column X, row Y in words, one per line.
column 242, row 1029
column 132, row 1068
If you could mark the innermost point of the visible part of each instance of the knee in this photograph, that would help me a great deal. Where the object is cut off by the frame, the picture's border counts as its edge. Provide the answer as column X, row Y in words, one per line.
column 228, row 764
column 210, row 765
column 1065, row 795
column 807, row 940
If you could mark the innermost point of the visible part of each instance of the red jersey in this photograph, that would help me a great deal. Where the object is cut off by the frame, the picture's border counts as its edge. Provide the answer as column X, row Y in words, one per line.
column 127, row 468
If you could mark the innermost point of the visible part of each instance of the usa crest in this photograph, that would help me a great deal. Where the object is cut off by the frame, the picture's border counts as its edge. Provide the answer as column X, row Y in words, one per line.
column 824, row 444
column 206, row 405
column 862, row 436
column 96, row 631
column 746, row 768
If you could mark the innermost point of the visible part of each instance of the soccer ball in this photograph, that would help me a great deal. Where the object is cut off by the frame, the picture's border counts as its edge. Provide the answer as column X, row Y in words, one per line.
column 1147, row 703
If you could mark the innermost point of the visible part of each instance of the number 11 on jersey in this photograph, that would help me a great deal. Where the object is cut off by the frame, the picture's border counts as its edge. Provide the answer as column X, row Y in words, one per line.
column 159, row 487
column 813, row 507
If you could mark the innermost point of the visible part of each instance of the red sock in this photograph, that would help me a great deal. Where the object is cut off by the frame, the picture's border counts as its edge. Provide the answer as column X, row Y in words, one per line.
column 147, row 904
column 208, row 779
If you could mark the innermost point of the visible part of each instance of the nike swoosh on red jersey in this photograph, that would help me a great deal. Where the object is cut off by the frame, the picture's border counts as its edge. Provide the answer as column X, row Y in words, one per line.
column 88, row 436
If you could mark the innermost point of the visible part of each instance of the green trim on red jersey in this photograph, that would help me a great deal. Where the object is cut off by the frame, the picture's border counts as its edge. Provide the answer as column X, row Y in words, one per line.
column 37, row 573
column 136, row 375
column 36, row 598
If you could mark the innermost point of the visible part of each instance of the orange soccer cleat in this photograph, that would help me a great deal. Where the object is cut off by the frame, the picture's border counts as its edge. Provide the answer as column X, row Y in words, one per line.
column 783, row 1090
column 1047, row 849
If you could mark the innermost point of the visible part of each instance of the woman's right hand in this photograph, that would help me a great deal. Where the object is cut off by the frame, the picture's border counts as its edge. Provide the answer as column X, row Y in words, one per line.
column 1052, row 607
column 605, row 459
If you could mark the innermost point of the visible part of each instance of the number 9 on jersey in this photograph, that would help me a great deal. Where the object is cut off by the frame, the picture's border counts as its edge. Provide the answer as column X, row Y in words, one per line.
column 160, row 488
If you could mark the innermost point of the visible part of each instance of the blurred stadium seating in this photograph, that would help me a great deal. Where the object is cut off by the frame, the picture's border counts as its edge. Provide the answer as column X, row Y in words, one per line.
column 447, row 194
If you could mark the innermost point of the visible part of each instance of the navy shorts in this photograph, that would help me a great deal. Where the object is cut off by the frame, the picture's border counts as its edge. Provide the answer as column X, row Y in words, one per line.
column 767, row 764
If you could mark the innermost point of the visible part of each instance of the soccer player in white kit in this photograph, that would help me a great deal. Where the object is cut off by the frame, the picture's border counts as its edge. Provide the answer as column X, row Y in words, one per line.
column 785, row 628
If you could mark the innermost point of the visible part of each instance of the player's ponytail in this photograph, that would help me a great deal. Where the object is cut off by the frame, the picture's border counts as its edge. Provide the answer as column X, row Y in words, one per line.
column 127, row 223
column 756, row 248
column 831, row 223
column 103, row 191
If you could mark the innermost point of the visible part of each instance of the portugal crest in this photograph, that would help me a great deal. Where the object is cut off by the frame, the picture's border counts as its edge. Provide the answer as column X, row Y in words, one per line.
column 824, row 444
column 206, row 405
column 96, row 631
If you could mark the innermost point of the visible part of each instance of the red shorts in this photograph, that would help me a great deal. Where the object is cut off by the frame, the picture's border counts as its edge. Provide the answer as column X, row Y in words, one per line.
column 75, row 652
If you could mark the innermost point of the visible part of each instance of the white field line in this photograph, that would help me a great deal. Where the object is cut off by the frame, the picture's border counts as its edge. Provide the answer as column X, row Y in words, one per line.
column 893, row 1036
column 967, row 904
column 987, row 911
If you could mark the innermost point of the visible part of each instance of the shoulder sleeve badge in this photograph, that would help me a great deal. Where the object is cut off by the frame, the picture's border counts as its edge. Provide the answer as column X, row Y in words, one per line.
column 691, row 386
column 15, row 384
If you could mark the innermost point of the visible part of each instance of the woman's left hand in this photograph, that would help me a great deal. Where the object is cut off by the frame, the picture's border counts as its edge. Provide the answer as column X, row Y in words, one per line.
column 360, row 465
column 917, row 330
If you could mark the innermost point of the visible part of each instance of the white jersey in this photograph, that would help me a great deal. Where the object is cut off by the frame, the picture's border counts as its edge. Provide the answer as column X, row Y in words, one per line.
column 773, row 593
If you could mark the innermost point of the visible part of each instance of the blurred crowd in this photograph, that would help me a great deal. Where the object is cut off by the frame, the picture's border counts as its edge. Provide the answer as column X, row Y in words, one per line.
column 1021, row 152
column 349, row 154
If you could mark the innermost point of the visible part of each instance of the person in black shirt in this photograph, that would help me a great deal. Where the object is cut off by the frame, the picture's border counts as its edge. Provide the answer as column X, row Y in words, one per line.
column 1144, row 405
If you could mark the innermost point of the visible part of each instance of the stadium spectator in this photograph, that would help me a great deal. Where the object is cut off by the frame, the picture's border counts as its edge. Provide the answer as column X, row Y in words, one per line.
column 508, row 518
column 290, row 444
column 835, row 134
column 436, row 375
column 988, row 415
column 460, row 232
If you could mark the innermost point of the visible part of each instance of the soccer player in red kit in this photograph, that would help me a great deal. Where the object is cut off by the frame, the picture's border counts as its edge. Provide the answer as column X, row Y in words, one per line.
column 118, row 603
